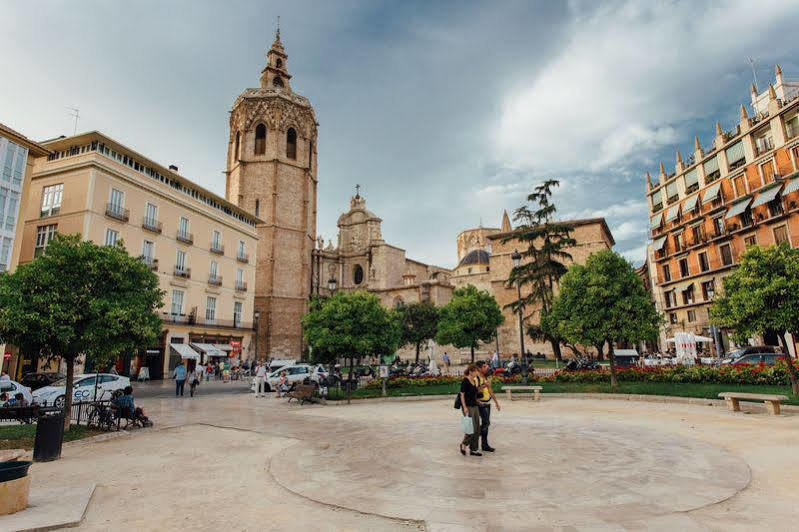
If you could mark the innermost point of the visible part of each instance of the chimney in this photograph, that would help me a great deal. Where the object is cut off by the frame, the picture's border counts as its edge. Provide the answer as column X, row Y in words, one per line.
column 173, row 168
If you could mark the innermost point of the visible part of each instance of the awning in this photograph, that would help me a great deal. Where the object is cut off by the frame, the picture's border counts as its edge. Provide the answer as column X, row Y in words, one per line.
column 690, row 203
column 209, row 349
column 738, row 208
column 224, row 347
column 657, row 244
column 672, row 214
column 767, row 195
column 656, row 221
column 711, row 193
column 185, row 351
column 792, row 186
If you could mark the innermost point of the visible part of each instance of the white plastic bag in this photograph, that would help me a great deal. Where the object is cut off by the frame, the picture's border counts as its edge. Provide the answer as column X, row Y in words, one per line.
column 466, row 425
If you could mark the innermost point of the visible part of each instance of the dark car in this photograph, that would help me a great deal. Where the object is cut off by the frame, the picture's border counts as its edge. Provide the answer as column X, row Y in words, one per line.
column 34, row 381
column 752, row 350
column 754, row 359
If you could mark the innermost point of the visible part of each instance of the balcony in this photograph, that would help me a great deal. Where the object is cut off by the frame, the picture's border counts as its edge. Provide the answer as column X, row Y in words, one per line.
column 217, row 248
column 185, row 237
column 151, row 262
column 215, row 280
column 182, row 272
column 117, row 212
column 241, row 286
column 152, row 225
column 242, row 257
column 190, row 319
column 763, row 145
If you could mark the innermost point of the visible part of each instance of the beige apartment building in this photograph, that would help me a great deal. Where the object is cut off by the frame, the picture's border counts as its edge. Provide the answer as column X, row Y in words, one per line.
column 199, row 244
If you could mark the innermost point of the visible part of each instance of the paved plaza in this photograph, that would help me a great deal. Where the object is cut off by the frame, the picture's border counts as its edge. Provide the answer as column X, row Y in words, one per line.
column 236, row 463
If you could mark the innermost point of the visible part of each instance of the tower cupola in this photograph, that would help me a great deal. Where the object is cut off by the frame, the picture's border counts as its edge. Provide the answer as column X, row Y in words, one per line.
column 275, row 75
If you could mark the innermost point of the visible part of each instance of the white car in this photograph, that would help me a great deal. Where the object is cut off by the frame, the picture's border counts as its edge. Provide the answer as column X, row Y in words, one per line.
column 12, row 388
column 294, row 373
column 83, row 389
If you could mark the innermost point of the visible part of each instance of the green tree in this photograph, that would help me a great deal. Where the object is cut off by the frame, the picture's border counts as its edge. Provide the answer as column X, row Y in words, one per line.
column 470, row 317
column 350, row 325
column 604, row 301
column 79, row 298
column 418, row 323
column 544, row 260
column 762, row 295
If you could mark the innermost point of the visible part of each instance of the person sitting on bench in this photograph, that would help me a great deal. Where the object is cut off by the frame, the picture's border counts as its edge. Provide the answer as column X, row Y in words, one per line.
column 128, row 409
column 17, row 400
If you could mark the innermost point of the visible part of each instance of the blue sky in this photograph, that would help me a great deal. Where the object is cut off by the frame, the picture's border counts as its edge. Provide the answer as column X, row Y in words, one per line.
column 445, row 112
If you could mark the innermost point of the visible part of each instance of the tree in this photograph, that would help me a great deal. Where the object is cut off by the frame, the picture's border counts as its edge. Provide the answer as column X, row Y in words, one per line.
column 79, row 298
column 470, row 317
column 543, row 261
column 604, row 301
column 350, row 325
column 419, row 323
column 762, row 295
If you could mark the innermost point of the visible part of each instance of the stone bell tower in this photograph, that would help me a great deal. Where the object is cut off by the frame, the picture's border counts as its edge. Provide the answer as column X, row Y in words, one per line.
column 271, row 172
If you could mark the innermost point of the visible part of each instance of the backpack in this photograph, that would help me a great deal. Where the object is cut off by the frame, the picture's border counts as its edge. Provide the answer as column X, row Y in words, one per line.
column 458, row 404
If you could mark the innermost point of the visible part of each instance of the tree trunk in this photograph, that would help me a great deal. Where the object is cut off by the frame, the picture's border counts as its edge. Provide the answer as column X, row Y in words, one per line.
column 417, row 352
column 556, row 350
column 349, row 381
column 472, row 353
column 612, row 358
column 791, row 368
column 68, row 392
column 600, row 351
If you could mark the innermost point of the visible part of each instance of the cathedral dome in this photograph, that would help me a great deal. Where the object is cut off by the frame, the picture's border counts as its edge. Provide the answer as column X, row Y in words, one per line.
column 477, row 256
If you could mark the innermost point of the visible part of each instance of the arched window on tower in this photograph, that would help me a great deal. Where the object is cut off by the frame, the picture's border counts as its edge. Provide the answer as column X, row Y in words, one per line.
column 291, row 143
column 236, row 147
column 260, row 139
column 279, row 63
column 277, row 82
column 257, row 207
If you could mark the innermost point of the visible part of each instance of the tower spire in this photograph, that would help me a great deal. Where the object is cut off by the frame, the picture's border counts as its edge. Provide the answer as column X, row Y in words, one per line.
column 274, row 75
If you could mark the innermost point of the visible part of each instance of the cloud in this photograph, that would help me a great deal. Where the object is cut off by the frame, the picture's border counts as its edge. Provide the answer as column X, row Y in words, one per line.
column 635, row 255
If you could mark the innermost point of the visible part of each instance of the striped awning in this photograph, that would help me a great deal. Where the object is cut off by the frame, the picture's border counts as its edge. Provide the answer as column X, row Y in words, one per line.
column 792, row 186
column 738, row 208
column 711, row 193
column 690, row 203
column 657, row 244
column 209, row 349
column 657, row 220
column 185, row 351
column 224, row 347
column 672, row 214
column 767, row 195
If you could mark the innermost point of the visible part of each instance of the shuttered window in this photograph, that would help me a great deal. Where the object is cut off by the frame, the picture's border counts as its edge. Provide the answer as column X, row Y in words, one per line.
column 657, row 201
column 691, row 181
column 735, row 153
column 671, row 190
column 711, row 166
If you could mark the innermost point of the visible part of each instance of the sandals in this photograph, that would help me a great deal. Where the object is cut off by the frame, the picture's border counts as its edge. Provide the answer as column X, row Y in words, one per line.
column 463, row 451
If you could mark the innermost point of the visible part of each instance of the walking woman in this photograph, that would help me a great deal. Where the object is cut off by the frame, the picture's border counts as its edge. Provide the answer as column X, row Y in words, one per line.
column 469, row 405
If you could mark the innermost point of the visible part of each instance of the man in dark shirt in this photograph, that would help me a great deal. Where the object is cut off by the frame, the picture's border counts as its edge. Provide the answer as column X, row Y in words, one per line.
column 484, row 396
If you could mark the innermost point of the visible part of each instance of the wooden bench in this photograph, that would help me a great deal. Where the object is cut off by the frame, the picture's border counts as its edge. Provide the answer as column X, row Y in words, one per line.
column 772, row 401
column 535, row 389
column 302, row 393
column 23, row 414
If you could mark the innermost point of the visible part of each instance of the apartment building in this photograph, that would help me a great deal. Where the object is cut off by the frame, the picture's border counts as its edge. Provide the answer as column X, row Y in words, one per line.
column 197, row 243
column 742, row 191
column 16, row 162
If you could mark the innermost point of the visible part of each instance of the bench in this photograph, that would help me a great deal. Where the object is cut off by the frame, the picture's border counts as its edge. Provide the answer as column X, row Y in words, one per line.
column 535, row 389
column 23, row 414
column 772, row 401
column 302, row 393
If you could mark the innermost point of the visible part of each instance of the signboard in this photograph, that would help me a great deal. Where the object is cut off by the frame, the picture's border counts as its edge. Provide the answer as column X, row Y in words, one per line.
column 236, row 345
column 383, row 372
column 7, row 355
column 685, row 346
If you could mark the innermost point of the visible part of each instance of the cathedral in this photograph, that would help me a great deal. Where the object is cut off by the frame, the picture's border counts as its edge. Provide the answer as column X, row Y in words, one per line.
column 272, row 172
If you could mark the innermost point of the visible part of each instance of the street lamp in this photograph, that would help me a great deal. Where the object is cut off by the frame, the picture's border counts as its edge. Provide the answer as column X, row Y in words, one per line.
column 331, row 285
column 516, row 257
column 256, row 315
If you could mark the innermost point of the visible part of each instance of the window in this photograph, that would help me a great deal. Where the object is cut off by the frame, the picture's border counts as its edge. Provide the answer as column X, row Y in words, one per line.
column 768, row 171
column 183, row 228
column 177, row 302
column 260, row 139
column 214, row 268
column 277, row 82
column 712, row 171
column 239, row 278
column 670, row 299
column 5, row 252
column 708, row 290
column 781, row 235
column 11, row 210
column 740, row 186
column 147, row 250
column 236, row 147
column 691, row 181
column 279, row 63
column 4, row 192
column 678, row 242
column 688, row 295
column 210, row 308
column 718, row 226
column 792, row 127
column 684, row 268
column 775, row 207
column 8, row 166
column 691, row 316
column 704, row 265
column 750, row 241
column 726, row 254
column 657, row 200
column 180, row 260
column 764, row 143
column 291, row 143
column 671, row 192
column 257, row 207
column 44, row 234
column 152, row 213
column 698, row 233
column 241, row 254
column 111, row 237
column 51, row 200
column 735, row 155
column 673, row 318
column 117, row 199
column 237, row 309
column 666, row 273
column 357, row 274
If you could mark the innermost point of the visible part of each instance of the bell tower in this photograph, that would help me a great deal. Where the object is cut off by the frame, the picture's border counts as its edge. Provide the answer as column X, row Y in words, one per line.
column 271, row 172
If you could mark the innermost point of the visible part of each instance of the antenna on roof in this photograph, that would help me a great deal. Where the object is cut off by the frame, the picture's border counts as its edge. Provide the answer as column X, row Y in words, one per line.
column 754, row 72
column 74, row 113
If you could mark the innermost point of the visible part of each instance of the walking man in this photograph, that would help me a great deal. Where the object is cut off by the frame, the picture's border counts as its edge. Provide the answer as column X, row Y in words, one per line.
column 495, row 360
column 484, row 396
column 445, row 358
column 260, row 377
column 180, row 378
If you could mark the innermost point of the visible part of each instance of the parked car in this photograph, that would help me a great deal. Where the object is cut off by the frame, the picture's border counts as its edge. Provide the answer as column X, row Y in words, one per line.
column 294, row 373
column 276, row 364
column 83, row 389
column 754, row 359
column 12, row 388
column 34, row 381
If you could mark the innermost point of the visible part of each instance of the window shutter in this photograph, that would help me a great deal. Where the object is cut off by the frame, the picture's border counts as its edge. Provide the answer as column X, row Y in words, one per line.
column 735, row 152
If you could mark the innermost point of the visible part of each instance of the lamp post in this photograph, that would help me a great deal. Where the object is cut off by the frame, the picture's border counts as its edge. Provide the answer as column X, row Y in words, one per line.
column 256, row 316
column 516, row 257
column 331, row 285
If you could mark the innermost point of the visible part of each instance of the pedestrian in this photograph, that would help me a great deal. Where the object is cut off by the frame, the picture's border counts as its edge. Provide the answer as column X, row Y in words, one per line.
column 208, row 371
column 468, row 397
column 495, row 360
column 485, row 395
column 194, row 380
column 260, row 380
column 445, row 358
column 180, row 378
column 220, row 367
column 283, row 385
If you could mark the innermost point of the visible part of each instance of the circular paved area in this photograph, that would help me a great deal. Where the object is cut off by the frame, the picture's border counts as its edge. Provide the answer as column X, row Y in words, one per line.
column 547, row 473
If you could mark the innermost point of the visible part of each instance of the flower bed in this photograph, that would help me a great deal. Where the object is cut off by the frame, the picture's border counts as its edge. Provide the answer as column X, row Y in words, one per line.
column 728, row 374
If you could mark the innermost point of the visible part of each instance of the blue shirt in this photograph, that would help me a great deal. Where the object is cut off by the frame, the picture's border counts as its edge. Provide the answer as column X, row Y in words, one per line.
column 180, row 373
column 125, row 401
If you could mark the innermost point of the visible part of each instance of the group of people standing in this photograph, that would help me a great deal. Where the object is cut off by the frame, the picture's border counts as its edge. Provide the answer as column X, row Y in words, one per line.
column 475, row 397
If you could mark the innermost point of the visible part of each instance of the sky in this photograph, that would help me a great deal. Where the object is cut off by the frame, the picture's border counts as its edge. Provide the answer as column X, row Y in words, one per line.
column 446, row 113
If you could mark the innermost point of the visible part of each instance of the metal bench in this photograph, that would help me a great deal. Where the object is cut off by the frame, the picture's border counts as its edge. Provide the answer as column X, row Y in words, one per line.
column 535, row 389
column 302, row 393
column 23, row 414
column 772, row 401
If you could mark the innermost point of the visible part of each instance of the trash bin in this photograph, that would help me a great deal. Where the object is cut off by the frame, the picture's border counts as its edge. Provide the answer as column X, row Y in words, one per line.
column 49, row 436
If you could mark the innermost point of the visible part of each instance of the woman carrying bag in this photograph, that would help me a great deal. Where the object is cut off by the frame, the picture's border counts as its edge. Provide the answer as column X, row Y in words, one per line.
column 471, row 414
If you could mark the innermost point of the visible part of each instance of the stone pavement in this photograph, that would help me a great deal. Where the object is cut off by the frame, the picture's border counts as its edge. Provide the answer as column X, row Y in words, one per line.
column 241, row 463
